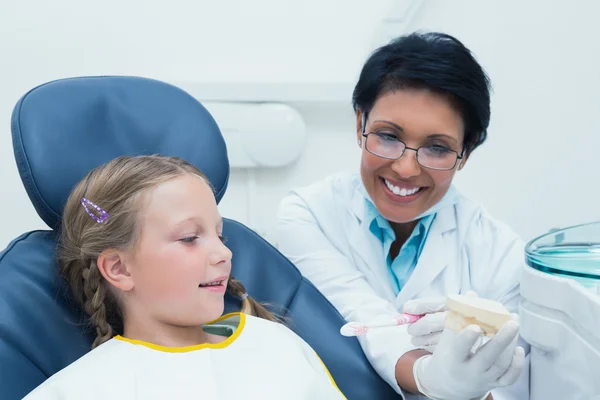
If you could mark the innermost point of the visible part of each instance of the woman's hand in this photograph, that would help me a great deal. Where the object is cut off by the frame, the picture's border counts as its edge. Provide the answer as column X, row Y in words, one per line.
column 453, row 371
column 426, row 332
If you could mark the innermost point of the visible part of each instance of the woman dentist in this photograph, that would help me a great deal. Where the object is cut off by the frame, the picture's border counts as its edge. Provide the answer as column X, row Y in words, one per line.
column 400, row 237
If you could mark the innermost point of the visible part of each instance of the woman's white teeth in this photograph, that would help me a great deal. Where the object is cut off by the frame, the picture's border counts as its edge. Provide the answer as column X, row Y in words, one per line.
column 401, row 192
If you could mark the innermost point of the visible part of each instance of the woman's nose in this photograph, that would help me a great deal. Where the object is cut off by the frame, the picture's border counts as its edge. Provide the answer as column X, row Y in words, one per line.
column 407, row 166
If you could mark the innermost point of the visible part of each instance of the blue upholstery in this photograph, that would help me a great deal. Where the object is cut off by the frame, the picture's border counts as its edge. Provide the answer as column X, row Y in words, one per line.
column 63, row 129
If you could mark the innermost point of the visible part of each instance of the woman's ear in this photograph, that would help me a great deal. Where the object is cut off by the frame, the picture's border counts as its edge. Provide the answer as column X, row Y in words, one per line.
column 112, row 266
column 359, row 127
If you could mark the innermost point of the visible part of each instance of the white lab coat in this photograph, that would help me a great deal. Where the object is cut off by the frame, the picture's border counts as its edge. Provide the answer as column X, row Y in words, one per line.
column 321, row 229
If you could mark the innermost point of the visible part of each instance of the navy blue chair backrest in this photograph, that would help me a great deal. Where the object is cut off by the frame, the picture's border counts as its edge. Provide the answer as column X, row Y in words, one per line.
column 63, row 129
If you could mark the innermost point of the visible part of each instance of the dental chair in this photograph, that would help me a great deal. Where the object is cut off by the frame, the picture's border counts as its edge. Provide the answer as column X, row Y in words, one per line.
column 63, row 129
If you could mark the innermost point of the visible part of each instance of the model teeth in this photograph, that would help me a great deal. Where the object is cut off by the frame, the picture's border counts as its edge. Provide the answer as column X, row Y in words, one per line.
column 401, row 192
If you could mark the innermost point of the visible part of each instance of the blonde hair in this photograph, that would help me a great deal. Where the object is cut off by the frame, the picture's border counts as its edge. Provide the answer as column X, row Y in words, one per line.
column 117, row 187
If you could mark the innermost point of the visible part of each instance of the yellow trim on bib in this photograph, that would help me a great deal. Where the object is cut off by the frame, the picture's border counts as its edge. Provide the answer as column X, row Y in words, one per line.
column 186, row 349
column 330, row 377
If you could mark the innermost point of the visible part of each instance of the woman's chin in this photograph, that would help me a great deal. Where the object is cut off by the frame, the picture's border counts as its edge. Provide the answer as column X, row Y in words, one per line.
column 398, row 214
column 402, row 218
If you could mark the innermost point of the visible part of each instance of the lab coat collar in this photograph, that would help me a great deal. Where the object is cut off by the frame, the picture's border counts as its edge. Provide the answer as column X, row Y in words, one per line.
column 357, row 204
column 435, row 257
column 366, row 246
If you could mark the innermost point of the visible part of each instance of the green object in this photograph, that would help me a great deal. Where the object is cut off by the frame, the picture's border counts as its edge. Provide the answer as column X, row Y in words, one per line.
column 572, row 252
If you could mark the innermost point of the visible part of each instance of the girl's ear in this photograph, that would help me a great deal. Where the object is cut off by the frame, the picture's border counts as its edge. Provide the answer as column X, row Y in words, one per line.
column 112, row 266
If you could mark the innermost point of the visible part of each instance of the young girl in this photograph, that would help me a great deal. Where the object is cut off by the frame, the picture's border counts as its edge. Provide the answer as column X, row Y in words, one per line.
column 142, row 250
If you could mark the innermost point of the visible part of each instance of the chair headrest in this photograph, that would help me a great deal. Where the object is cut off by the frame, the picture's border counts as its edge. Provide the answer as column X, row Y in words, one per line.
column 63, row 129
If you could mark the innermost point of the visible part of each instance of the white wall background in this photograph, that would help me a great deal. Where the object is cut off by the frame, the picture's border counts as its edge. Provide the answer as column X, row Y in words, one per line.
column 538, row 170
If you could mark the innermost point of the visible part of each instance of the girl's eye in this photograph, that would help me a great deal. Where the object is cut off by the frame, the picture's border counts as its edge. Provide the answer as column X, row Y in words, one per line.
column 190, row 239
column 223, row 239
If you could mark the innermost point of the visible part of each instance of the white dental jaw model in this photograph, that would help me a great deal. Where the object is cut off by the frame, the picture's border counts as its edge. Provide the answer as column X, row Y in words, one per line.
column 467, row 310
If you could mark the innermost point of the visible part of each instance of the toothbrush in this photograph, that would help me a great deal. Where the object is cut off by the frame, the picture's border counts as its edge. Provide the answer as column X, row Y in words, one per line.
column 358, row 329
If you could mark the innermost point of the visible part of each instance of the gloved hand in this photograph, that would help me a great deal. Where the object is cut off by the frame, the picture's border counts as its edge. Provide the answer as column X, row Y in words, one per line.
column 426, row 332
column 454, row 372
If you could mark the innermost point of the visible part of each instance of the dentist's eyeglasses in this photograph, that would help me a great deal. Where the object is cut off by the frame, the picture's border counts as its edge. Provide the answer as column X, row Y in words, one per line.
column 387, row 145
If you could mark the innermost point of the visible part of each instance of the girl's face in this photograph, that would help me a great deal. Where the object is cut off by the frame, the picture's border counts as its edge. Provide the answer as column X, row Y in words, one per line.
column 180, row 267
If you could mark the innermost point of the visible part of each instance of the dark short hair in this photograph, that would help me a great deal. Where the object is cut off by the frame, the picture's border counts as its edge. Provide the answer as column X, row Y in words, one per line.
column 433, row 61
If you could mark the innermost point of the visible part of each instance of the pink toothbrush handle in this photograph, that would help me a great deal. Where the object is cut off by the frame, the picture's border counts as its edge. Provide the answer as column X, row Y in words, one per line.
column 358, row 329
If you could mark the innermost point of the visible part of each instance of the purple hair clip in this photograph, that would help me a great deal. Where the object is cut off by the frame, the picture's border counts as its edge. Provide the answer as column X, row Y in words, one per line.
column 103, row 214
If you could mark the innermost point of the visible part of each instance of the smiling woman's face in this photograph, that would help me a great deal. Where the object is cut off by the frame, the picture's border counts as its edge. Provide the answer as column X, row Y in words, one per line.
column 403, row 189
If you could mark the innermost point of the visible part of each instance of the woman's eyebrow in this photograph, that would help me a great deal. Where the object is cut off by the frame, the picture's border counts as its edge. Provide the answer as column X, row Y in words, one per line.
column 391, row 123
column 442, row 135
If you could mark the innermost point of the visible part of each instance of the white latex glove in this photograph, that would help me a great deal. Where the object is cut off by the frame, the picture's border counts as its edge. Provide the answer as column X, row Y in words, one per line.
column 453, row 372
column 426, row 332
